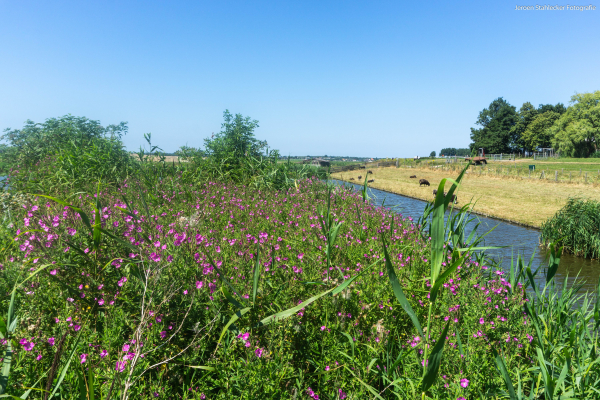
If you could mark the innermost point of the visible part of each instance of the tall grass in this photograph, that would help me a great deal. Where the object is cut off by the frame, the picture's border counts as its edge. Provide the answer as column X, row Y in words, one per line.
column 576, row 227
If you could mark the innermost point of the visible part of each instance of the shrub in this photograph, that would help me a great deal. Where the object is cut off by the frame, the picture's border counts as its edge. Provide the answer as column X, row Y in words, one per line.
column 576, row 227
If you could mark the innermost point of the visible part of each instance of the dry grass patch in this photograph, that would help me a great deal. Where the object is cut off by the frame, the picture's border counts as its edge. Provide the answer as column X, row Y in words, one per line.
column 521, row 200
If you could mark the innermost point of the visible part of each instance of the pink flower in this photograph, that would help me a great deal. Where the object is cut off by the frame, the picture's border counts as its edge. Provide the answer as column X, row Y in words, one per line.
column 464, row 382
column 163, row 334
column 300, row 256
column 125, row 348
column 51, row 341
column 39, row 357
column 83, row 358
column 258, row 352
column 120, row 366
column 323, row 327
column 103, row 354
column 53, row 272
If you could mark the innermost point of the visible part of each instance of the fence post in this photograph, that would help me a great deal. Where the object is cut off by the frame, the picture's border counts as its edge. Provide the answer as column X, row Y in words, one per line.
column 397, row 163
column 555, row 176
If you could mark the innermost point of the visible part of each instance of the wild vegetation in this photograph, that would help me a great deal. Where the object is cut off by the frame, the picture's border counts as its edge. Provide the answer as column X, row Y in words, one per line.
column 576, row 226
column 222, row 278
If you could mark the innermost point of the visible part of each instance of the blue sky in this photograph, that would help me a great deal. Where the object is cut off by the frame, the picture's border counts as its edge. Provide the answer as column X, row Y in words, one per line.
column 369, row 78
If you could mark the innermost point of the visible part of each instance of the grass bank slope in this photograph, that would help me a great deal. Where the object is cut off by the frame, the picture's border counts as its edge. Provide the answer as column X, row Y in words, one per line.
column 525, row 201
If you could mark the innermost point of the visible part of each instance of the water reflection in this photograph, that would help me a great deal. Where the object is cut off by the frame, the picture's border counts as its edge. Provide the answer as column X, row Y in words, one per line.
column 518, row 239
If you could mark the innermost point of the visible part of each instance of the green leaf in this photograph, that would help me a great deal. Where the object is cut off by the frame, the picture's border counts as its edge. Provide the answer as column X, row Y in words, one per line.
column 116, row 239
column 256, row 274
column 350, row 340
column 443, row 277
column 501, row 365
column 238, row 314
column 369, row 387
column 81, row 213
column 5, row 372
column 291, row 311
column 201, row 367
column 61, row 377
column 397, row 289
column 435, row 359
column 555, row 254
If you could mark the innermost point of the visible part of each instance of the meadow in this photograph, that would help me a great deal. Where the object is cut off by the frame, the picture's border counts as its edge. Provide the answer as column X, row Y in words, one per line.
column 508, row 196
column 215, row 280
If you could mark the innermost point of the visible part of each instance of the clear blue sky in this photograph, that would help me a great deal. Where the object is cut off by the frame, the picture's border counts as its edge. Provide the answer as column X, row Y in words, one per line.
column 368, row 78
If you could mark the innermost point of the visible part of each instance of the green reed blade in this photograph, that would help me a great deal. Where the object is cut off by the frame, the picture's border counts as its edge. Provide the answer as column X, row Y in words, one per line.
column 435, row 359
column 237, row 315
column 256, row 274
column 397, row 289
column 501, row 365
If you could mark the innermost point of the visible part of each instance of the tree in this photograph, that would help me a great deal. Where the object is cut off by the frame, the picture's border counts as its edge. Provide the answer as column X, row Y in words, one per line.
column 236, row 140
column 538, row 133
column 527, row 114
column 432, row 154
column 495, row 134
column 577, row 131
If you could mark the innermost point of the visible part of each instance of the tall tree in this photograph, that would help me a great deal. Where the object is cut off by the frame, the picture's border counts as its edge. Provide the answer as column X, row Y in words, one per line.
column 538, row 133
column 527, row 114
column 577, row 131
column 495, row 134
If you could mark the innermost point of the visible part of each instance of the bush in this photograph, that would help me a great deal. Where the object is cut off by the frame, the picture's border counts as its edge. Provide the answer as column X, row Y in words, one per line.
column 576, row 226
column 67, row 151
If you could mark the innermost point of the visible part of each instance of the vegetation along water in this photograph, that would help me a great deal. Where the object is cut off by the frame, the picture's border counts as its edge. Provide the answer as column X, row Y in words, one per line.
column 235, row 276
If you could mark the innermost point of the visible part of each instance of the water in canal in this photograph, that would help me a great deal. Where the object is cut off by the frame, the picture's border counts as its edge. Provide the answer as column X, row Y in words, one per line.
column 519, row 239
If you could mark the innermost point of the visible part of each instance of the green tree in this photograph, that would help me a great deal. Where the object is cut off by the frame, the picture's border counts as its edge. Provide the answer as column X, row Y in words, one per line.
column 577, row 131
column 432, row 154
column 495, row 134
column 527, row 114
column 538, row 133
column 236, row 140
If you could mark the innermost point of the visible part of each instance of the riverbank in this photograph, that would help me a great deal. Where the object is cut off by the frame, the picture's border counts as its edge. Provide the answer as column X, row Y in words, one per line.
column 527, row 202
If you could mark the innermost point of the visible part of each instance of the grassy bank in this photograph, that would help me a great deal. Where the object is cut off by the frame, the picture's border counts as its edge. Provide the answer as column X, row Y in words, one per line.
column 526, row 201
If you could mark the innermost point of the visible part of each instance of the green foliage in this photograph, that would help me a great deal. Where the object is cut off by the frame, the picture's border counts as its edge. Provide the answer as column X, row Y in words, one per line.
column 539, row 133
column 451, row 151
column 236, row 140
column 496, row 133
column 432, row 154
column 577, row 131
column 65, row 151
column 576, row 227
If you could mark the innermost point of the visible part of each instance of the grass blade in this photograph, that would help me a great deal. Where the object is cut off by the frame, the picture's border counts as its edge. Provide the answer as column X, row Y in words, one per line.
column 501, row 365
column 435, row 359
column 256, row 274
column 397, row 289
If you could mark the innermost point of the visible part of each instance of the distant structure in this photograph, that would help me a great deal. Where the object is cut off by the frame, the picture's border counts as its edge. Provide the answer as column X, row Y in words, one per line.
column 318, row 162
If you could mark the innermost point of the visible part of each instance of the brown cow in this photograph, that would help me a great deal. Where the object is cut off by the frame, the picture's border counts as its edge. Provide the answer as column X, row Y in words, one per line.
column 423, row 182
column 412, row 176
column 351, row 179
column 369, row 172
column 360, row 177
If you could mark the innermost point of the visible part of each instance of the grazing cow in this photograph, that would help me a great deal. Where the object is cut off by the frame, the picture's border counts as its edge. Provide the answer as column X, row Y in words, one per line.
column 412, row 176
column 360, row 177
column 362, row 167
column 351, row 179
column 423, row 182
column 369, row 172
column 371, row 180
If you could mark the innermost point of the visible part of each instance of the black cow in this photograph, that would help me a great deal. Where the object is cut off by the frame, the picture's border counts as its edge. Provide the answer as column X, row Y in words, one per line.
column 423, row 182
column 412, row 176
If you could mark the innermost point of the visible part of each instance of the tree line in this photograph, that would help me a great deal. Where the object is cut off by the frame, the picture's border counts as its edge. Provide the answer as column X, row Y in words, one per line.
column 573, row 131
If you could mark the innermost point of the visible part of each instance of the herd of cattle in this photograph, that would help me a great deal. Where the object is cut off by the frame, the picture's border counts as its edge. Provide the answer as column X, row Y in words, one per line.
column 422, row 182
